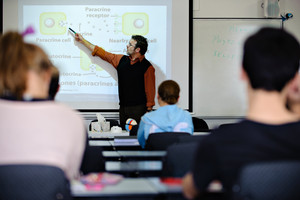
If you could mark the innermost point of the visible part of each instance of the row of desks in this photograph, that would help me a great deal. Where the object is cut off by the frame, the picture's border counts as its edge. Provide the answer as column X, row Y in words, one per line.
column 128, row 159
column 111, row 145
column 131, row 161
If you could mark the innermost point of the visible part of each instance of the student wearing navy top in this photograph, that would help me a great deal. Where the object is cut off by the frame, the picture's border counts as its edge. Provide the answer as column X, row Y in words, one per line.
column 270, row 131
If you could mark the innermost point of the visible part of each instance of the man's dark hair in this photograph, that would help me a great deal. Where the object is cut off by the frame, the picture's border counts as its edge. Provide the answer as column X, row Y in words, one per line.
column 141, row 42
column 271, row 58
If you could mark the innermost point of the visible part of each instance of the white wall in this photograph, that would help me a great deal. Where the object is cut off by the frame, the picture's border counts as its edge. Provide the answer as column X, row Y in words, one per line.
column 236, row 9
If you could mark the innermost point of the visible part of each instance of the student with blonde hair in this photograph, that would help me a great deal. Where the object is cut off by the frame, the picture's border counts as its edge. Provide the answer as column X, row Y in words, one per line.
column 35, row 130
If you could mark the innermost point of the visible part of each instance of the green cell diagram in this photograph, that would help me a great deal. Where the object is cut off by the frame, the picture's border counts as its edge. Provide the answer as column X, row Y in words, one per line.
column 53, row 23
column 86, row 64
column 135, row 24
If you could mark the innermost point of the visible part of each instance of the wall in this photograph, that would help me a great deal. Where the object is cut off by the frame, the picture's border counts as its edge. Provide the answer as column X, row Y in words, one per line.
column 234, row 9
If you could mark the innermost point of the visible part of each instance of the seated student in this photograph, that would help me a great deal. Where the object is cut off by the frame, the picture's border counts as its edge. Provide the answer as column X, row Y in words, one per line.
column 270, row 131
column 169, row 117
column 35, row 130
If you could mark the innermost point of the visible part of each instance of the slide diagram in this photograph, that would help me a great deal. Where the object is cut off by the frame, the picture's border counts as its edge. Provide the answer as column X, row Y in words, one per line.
column 108, row 26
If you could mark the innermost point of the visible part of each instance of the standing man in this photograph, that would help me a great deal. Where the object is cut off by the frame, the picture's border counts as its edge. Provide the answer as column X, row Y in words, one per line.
column 136, row 77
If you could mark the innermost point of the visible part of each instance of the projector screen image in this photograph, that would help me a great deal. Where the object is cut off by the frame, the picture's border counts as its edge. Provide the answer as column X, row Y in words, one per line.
column 87, row 82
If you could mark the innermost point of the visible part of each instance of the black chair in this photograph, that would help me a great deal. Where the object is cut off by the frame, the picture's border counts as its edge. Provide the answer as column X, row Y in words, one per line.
column 194, row 138
column 161, row 141
column 33, row 182
column 113, row 122
column 199, row 125
column 179, row 159
column 93, row 160
column 269, row 181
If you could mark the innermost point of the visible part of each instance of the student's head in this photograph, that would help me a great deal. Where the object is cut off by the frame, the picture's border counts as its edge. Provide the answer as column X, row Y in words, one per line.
column 54, row 83
column 141, row 43
column 20, row 65
column 271, row 59
column 168, row 92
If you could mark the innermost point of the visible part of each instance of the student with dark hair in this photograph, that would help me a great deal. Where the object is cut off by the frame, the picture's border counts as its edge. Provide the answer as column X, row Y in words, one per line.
column 270, row 131
column 35, row 130
column 168, row 117
column 136, row 77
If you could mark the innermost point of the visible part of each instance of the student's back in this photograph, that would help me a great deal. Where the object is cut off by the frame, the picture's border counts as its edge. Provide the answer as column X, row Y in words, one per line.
column 236, row 145
column 270, row 132
column 41, row 132
column 35, row 130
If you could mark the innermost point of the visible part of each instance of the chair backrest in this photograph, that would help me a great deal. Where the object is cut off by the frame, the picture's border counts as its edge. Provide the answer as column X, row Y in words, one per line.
column 179, row 159
column 199, row 124
column 269, row 181
column 33, row 182
column 194, row 138
column 134, row 130
column 161, row 141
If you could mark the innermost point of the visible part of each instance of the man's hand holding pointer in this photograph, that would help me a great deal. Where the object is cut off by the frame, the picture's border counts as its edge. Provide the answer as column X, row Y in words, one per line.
column 79, row 38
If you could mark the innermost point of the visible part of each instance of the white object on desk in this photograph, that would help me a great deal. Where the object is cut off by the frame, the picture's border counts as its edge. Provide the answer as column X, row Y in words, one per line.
column 105, row 126
column 116, row 129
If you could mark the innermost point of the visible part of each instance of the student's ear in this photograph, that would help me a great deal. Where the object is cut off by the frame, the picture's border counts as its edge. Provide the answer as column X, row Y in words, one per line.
column 244, row 75
column 294, row 89
column 158, row 97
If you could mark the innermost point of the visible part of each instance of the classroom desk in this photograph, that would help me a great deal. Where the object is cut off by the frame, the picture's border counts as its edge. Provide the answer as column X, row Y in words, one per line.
column 102, row 143
column 133, row 155
column 135, row 168
column 110, row 145
column 106, row 135
column 130, row 188
column 139, row 188
column 105, row 144
column 118, row 146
